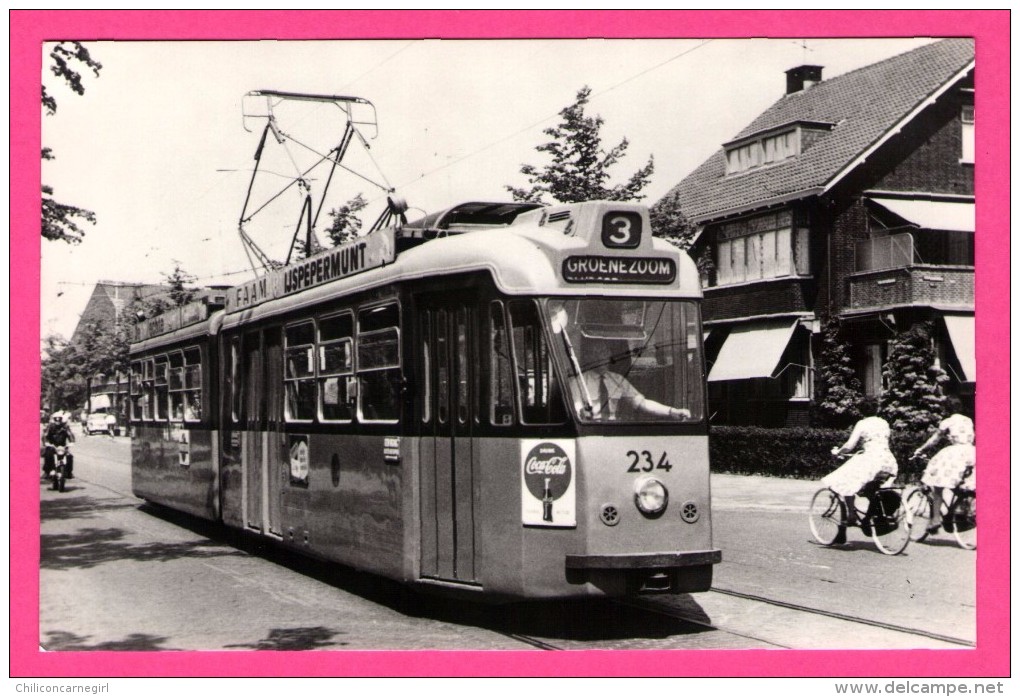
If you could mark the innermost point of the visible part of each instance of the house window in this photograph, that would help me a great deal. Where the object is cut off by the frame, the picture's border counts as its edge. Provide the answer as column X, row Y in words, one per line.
column 967, row 133
column 764, row 247
column 762, row 151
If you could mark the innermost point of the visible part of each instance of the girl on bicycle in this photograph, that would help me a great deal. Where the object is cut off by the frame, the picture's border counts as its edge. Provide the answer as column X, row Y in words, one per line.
column 946, row 469
column 871, row 434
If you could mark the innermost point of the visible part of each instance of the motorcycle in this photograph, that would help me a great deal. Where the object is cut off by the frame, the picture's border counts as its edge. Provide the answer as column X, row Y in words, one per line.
column 58, row 475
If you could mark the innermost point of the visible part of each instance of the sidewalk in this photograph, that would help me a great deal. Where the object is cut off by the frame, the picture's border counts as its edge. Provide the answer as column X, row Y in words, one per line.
column 738, row 491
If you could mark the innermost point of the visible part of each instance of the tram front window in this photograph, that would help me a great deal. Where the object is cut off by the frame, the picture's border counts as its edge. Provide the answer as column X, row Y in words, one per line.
column 630, row 360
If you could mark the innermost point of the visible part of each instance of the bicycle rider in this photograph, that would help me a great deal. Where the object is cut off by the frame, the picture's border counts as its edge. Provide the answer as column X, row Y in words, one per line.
column 947, row 469
column 871, row 434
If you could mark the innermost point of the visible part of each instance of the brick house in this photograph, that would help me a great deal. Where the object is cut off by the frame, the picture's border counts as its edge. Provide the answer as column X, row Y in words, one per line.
column 850, row 198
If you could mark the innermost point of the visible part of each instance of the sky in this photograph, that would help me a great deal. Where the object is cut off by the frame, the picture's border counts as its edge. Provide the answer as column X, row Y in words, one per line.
column 160, row 149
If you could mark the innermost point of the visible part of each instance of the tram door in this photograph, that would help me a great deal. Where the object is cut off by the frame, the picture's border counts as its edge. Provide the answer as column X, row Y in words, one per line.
column 252, row 449
column 261, row 439
column 449, row 476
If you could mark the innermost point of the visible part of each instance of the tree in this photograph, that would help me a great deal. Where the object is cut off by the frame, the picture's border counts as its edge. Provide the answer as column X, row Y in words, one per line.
column 669, row 222
column 838, row 389
column 63, row 386
column 343, row 228
column 68, row 368
column 61, row 221
column 579, row 170
column 178, row 280
column 913, row 402
column 178, row 292
column 346, row 223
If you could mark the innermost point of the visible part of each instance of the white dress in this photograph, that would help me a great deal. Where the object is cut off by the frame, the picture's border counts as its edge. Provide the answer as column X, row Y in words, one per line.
column 872, row 435
column 947, row 467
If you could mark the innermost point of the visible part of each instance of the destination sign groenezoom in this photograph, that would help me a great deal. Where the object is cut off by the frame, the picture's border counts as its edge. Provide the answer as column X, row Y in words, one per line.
column 362, row 254
column 599, row 269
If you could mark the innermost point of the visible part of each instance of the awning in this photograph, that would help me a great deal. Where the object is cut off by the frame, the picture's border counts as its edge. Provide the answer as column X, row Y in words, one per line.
column 752, row 350
column 961, row 333
column 931, row 215
column 99, row 401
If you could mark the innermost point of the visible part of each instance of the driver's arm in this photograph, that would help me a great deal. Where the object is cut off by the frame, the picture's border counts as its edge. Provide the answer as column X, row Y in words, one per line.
column 650, row 406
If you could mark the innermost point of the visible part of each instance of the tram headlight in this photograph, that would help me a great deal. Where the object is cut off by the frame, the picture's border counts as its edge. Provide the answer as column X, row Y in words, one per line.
column 650, row 496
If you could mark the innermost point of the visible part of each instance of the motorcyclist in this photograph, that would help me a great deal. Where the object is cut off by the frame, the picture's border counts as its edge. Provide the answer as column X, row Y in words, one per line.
column 58, row 433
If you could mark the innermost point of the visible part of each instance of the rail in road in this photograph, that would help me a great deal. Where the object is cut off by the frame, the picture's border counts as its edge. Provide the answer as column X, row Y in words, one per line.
column 732, row 615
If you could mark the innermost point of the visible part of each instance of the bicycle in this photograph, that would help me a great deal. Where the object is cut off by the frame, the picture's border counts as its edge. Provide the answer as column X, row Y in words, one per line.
column 886, row 520
column 959, row 512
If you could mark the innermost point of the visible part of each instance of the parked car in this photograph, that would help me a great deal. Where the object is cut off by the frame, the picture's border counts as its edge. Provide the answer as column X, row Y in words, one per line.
column 98, row 422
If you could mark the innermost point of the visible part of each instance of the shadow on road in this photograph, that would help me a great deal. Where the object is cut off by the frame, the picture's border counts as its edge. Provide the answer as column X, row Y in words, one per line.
column 90, row 547
column 68, row 641
column 66, row 507
column 293, row 639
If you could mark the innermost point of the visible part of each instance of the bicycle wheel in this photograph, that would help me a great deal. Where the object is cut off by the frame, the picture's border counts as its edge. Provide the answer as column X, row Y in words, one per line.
column 920, row 506
column 826, row 516
column 890, row 528
column 963, row 520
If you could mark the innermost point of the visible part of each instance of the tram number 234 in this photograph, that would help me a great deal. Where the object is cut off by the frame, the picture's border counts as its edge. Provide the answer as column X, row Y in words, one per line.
column 646, row 462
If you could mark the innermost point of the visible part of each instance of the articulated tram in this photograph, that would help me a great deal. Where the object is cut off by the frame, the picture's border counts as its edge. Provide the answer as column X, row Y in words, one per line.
column 502, row 399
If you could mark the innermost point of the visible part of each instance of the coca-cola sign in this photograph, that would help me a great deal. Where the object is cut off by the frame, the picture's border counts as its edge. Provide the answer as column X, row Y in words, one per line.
column 547, row 462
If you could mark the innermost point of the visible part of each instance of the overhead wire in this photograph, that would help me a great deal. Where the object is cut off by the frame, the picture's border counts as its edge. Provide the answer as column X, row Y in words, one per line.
column 516, row 133
column 467, row 156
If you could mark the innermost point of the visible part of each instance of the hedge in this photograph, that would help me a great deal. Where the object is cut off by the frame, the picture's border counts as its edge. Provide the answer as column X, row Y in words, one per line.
column 797, row 453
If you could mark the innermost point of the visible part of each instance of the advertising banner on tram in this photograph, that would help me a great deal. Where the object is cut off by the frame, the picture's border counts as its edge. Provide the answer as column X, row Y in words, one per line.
column 548, row 492
column 364, row 253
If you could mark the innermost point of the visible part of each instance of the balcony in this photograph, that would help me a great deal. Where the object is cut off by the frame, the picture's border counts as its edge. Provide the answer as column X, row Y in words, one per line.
column 915, row 285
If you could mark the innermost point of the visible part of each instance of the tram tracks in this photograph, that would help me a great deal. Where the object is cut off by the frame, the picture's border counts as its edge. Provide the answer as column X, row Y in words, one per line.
column 750, row 620
column 650, row 605
column 848, row 618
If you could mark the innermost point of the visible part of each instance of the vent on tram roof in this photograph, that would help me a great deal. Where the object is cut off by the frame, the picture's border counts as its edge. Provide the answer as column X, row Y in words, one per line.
column 465, row 217
column 556, row 217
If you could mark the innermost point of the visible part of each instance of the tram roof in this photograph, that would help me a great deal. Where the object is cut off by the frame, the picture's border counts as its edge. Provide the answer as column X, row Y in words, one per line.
column 522, row 245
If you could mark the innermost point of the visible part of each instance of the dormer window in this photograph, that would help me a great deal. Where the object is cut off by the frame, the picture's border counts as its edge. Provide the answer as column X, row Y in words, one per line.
column 762, row 151
column 772, row 146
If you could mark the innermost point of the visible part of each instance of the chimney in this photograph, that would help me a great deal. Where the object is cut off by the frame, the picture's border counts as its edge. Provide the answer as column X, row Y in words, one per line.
column 802, row 77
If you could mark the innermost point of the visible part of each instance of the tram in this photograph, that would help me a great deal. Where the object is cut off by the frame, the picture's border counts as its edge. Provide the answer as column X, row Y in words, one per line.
column 504, row 400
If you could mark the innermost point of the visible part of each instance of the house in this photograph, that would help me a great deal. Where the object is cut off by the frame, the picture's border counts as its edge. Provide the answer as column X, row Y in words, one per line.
column 849, row 199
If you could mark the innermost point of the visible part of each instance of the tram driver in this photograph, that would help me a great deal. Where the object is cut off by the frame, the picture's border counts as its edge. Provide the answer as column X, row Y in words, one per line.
column 607, row 390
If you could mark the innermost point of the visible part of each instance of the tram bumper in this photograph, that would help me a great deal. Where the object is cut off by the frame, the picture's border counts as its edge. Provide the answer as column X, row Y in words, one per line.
column 646, row 573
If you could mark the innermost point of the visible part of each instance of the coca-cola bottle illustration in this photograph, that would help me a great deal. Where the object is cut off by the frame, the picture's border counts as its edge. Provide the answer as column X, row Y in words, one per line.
column 547, row 501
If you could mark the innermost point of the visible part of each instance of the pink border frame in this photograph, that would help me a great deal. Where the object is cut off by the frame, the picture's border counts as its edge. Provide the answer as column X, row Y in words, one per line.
column 28, row 29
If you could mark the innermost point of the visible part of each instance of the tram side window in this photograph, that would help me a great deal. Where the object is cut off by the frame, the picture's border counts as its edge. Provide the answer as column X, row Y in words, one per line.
column 193, row 384
column 135, row 390
column 379, row 377
column 299, row 376
column 160, row 398
column 500, row 370
column 148, row 390
column 236, row 395
column 541, row 395
column 336, row 365
column 176, row 372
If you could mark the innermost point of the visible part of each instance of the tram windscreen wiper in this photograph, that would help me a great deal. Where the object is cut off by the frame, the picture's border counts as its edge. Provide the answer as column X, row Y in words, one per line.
column 559, row 326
